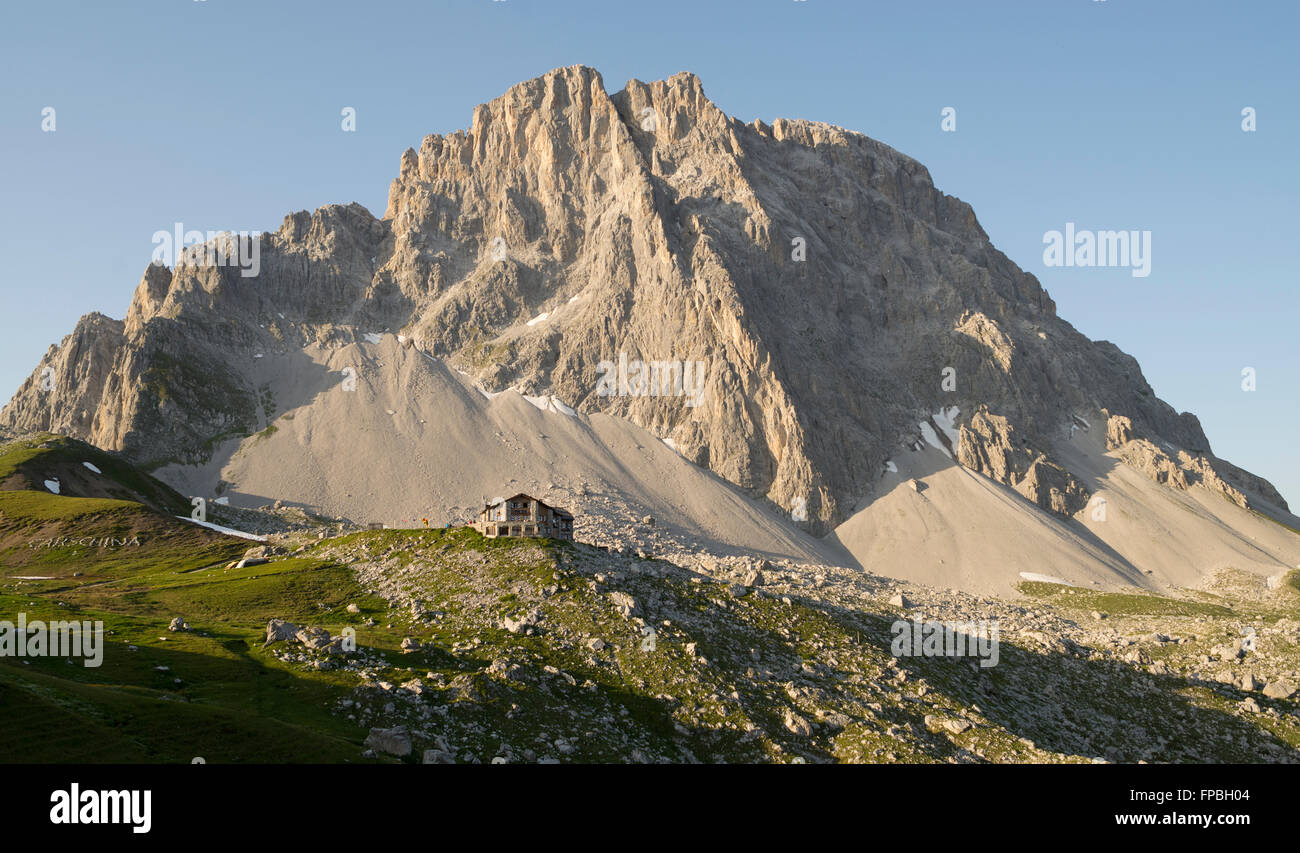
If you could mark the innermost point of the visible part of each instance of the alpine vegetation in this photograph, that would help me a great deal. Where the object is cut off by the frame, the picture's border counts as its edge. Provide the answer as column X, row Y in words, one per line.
column 59, row 638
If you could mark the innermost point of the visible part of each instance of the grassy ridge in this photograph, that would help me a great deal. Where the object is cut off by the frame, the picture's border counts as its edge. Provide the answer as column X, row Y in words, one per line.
column 45, row 534
column 27, row 462
column 1128, row 603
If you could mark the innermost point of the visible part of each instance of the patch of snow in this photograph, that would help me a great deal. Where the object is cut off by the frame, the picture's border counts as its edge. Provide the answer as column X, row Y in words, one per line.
column 226, row 530
column 672, row 445
column 1035, row 576
column 946, row 418
column 52, row 485
column 539, row 318
column 259, row 355
column 890, row 466
column 373, row 337
column 92, row 467
column 931, row 438
column 222, row 501
column 1083, row 421
column 31, row 577
column 401, row 339
column 486, row 393
column 551, row 404
column 575, row 299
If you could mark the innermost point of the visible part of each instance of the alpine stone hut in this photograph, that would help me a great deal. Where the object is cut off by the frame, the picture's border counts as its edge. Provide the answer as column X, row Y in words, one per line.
column 524, row 516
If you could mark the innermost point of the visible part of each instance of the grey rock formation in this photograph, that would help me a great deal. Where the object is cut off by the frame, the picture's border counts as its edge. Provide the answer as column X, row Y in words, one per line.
column 989, row 444
column 818, row 275
column 1280, row 689
column 394, row 741
column 1182, row 470
column 278, row 630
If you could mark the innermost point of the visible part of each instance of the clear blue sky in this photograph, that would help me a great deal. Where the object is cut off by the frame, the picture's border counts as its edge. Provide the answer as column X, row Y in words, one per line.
column 224, row 114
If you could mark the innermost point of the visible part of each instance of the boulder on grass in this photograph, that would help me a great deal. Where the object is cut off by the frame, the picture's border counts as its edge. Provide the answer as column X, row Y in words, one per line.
column 278, row 630
column 394, row 741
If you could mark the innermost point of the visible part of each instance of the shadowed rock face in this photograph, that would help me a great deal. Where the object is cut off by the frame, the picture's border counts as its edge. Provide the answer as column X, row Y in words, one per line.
column 989, row 445
column 819, row 275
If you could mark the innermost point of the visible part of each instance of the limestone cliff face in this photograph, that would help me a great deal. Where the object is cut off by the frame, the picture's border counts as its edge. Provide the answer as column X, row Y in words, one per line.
column 989, row 444
column 1181, row 470
column 819, row 275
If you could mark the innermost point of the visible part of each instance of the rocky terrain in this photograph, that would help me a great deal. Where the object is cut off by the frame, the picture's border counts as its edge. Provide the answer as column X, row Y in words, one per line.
column 792, row 662
column 325, row 643
column 837, row 299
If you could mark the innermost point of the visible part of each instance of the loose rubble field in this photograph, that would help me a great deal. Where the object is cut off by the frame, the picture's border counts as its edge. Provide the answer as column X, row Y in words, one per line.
column 474, row 650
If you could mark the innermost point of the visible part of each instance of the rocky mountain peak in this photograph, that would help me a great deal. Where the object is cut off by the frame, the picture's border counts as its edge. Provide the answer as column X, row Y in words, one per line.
column 826, row 286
